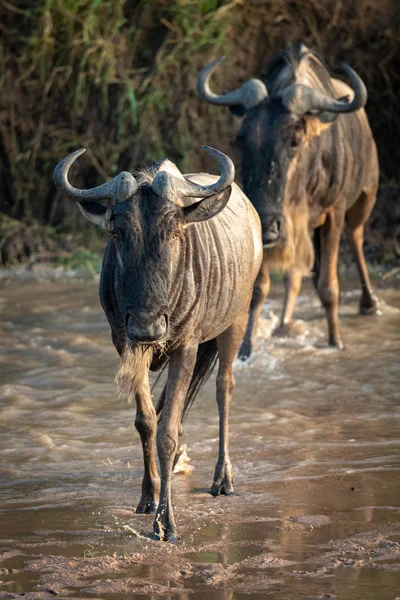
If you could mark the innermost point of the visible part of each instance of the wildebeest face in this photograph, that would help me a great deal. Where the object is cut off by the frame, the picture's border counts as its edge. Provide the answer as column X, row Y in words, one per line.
column 143, row 232
column 271, row 139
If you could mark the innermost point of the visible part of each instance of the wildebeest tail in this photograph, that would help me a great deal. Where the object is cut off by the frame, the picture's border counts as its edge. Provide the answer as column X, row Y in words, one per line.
column 207, row 355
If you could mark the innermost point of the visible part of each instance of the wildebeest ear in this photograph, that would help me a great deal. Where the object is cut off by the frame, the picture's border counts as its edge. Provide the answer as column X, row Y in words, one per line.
column 207, row 208
column 96, row 213
column 238, row 111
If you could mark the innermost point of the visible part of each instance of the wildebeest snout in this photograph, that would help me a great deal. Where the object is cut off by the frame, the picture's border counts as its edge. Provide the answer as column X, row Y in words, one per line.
column 143, row 328
column 272, row 229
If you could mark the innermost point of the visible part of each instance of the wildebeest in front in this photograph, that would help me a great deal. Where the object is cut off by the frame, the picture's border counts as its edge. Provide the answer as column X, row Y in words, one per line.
column 309, row 163
column 176, row 284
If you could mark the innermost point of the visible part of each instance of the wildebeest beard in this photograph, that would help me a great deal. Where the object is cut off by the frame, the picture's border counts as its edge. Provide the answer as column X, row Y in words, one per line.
column 296, row 249
column 133, row 368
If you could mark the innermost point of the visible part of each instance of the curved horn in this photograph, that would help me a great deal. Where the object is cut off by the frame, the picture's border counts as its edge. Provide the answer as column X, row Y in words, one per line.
column 177, row 189
column 301, row 99
column 248, row 95
column 118, row 189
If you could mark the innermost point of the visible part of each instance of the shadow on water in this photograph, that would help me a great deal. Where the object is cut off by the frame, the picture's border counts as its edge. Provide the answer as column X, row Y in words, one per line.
column 315, row 437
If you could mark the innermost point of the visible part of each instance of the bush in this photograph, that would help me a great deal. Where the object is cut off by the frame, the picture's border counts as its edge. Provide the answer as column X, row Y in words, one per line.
column 118, row 77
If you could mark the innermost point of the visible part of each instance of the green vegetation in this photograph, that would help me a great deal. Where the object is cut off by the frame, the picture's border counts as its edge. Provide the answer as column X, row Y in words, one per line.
column 119, row 78
column 81, row 258
column 97, row 74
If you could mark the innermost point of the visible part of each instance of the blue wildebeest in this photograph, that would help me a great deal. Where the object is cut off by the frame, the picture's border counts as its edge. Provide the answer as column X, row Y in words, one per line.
column 176, row 284
column 309, row 164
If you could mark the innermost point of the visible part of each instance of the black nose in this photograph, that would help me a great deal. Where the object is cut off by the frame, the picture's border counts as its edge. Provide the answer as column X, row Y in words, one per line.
column 145, row 330
column 272, row 229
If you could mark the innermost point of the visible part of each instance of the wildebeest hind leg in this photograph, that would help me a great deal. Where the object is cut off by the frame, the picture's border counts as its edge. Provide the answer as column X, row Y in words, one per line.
column 355, row 219
column 260, row 292
column 228, row 343
column 292, row 289
column 180, row 370
column 328, row 284
column 146, row 424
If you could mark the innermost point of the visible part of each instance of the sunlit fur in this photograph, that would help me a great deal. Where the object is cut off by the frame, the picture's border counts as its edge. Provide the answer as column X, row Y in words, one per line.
column 298, row 250
column 134, row 365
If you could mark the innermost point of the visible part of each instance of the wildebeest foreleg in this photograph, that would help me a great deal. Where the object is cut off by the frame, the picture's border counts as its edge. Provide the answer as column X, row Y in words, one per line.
column 180, row 372
column 146, row 424
column 260, row 291
column 355, row 219
column 228, row 343
column 328, row 283
column 292, row 289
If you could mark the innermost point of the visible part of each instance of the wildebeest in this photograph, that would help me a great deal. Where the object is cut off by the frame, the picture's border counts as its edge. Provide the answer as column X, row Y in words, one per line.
column 309, row 164
column 176, row 284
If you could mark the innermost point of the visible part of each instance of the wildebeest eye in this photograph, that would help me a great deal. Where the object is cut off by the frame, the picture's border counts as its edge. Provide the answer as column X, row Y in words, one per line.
column 115, row 235
column 297, row 135
column 296, row 139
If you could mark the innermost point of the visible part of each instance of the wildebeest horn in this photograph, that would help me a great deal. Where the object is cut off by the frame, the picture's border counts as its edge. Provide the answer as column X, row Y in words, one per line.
column 248, row 95
column 177, row 189
column 118, row 189
column 301, row 99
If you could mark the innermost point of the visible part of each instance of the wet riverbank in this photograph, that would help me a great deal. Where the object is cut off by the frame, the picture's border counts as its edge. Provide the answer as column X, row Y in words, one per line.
column 315, row 438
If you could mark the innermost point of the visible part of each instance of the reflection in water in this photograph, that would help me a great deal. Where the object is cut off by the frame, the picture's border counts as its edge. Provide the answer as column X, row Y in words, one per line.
column 315, row 437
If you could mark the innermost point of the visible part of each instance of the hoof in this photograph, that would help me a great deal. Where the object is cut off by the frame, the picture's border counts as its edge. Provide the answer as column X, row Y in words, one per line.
column 287, row 330
column 164, row 528
column 338, row 345
column 146, row 506
column 369, row 304
column 222, row 489
column 370, row 310
column 245, row 351
column 173, row 538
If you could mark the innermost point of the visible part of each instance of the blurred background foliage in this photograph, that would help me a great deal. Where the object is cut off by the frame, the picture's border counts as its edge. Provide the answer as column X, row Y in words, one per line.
column 119, row 78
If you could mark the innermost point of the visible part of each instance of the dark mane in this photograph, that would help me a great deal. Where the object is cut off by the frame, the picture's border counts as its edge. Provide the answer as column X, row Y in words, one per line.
column 145, row 175
column 292, row 57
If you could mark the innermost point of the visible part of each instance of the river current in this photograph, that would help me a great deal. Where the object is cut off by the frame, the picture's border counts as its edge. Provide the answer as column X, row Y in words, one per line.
column 314, row 436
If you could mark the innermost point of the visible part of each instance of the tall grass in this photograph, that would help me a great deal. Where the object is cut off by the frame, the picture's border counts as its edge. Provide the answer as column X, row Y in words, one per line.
column 93, row 73
column 118, row 77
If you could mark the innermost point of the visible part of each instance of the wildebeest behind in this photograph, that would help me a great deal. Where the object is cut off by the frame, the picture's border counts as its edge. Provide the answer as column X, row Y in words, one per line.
column 176, row 283
column 309, row 163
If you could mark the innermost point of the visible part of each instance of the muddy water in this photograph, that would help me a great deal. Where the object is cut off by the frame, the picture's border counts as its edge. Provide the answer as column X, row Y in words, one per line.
column 315, row 440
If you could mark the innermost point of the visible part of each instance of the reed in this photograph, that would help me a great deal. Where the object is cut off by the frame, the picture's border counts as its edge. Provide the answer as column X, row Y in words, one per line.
column 119, row 77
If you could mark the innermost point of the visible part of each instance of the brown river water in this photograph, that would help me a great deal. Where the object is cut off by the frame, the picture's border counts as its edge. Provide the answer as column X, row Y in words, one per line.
column 315, row 440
